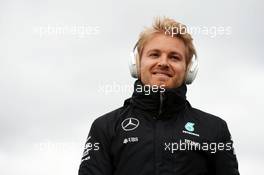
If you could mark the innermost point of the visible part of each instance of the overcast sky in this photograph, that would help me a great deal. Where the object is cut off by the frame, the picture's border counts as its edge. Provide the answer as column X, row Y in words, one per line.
column 64, row 63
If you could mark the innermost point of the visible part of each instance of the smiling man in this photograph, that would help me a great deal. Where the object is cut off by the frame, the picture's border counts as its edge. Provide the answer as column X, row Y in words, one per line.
column 160, row 132
column 163, row 61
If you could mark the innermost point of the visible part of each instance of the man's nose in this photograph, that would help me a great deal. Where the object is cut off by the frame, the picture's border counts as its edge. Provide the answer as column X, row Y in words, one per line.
column 163, row 61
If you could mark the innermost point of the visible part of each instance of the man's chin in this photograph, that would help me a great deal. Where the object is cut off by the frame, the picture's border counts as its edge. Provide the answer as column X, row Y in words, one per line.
column 160, row 83
column 164, row 84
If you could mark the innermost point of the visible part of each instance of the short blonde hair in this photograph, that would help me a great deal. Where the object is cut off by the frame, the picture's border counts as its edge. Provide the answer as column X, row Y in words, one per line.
column 168, row 27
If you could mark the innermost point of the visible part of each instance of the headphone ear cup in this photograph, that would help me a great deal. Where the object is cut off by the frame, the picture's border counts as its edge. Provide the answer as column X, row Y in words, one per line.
column 192, row 70
column 133, row 65
column 137, row 65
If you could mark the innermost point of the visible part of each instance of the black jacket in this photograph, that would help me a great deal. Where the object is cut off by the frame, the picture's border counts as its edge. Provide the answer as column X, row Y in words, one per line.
column 158, row 134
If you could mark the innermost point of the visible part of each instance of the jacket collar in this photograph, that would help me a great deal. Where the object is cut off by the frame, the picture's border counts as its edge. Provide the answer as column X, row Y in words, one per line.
column 159, row 102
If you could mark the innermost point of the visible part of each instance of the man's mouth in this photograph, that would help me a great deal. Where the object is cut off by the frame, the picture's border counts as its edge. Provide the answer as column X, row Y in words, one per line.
column 162, row 73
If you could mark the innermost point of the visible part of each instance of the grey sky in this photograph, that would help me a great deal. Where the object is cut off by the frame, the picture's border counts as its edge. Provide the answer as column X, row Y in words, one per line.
column 53, row 84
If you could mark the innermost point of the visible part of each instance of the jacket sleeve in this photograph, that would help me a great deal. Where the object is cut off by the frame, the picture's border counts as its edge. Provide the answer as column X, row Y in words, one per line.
column 225, row 160
column 96, row 158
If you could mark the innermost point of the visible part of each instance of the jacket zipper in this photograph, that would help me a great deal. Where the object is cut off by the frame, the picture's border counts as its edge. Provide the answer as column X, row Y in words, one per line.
column 155, row 133
column 161, row 103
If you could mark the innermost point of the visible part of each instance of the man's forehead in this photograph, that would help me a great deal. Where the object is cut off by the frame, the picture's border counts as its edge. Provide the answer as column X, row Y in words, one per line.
column 163, row 43
column 169, row 51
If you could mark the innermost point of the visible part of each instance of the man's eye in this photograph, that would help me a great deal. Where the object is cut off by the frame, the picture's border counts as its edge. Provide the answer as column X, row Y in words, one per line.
column 154, row 55
column 175, row 58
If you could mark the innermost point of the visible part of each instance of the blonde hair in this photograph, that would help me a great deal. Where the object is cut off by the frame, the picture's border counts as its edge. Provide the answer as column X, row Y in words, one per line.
column 168, row 27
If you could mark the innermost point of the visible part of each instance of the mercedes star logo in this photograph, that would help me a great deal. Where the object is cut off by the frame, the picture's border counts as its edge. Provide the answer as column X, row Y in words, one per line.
column 130, row 124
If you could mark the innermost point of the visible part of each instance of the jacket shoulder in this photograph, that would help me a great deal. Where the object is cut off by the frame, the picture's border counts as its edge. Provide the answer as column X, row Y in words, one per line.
column 113, row 116
column 205, row 116
column 109, row 117
column 108, row 122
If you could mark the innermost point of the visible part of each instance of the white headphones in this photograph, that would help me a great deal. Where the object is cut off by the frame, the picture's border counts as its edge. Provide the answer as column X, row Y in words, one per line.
column 192, row 68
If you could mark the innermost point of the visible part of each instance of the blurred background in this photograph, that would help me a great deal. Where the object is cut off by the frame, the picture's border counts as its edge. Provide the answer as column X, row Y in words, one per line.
column 65, row 63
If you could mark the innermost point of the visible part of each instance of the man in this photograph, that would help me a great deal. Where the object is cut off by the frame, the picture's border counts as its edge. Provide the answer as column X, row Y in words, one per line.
column 157, row 131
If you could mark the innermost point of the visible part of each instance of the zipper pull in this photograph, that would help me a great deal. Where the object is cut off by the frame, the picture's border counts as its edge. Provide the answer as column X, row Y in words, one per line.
column 161, row 102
